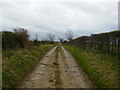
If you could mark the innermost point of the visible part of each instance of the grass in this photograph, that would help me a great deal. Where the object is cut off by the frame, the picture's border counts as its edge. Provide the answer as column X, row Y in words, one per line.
column 0, row 70
column 19, row 63
column 101, row 68
column 58, row 81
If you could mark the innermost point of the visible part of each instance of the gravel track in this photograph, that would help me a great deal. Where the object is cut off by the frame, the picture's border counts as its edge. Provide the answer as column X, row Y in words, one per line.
column 57, row 69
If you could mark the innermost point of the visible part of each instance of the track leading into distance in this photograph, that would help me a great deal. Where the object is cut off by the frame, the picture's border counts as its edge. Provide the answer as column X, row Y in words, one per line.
column 57, row 69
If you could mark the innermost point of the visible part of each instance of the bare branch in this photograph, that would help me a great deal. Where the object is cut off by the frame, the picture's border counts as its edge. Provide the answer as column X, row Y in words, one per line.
column 61, row 40
column 69, row 35
column 51, row 37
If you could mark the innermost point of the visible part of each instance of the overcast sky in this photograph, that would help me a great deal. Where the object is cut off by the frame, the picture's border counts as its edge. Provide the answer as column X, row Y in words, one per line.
column 83, row 17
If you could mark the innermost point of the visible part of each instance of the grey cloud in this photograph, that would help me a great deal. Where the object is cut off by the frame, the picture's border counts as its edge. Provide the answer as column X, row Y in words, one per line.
column 83, row 18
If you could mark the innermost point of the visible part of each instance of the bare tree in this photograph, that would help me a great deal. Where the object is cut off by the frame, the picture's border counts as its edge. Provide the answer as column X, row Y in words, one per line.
column 51, row 37
column 36, row 39
column 61, row 40
column 69, row 35
column 22, row 36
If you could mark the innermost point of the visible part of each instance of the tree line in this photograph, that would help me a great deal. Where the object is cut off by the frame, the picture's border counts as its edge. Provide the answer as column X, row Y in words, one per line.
column 106, row 42
column 19, row 38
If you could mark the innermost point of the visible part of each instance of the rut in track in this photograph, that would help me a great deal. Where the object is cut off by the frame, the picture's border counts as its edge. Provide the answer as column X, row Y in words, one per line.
column 57, row 69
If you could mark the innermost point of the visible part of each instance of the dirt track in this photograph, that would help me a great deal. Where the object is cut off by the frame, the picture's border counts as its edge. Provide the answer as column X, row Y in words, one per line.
column 57, row 69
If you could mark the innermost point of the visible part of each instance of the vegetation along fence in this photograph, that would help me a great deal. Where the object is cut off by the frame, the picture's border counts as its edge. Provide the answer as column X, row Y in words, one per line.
column 106, row 42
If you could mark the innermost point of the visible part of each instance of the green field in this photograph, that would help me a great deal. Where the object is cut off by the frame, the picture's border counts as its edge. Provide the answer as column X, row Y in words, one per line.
column 18, row 63
column 101, row 68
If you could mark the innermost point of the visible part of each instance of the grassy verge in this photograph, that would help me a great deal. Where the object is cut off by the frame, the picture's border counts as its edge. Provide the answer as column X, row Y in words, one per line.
column 101, row 68
column 18, row 63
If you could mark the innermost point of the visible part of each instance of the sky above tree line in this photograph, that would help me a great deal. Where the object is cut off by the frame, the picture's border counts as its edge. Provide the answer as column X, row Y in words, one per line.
column 83, row 17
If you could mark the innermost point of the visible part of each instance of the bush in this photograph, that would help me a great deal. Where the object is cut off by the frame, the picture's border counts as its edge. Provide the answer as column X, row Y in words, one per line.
column 18, row 38
column 8, row 40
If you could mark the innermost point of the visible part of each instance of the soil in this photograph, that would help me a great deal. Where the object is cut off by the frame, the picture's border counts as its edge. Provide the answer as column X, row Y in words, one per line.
column 57, row 69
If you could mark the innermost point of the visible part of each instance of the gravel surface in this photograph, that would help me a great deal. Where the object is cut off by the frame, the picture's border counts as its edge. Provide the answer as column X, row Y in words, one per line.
column 57, row 69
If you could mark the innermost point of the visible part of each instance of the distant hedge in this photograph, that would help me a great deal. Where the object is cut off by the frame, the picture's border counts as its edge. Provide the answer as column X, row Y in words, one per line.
column 106, row 42
column 18, row 38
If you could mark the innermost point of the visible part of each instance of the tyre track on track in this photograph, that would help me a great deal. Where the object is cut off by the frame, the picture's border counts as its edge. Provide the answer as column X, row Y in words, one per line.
column 57, row 69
